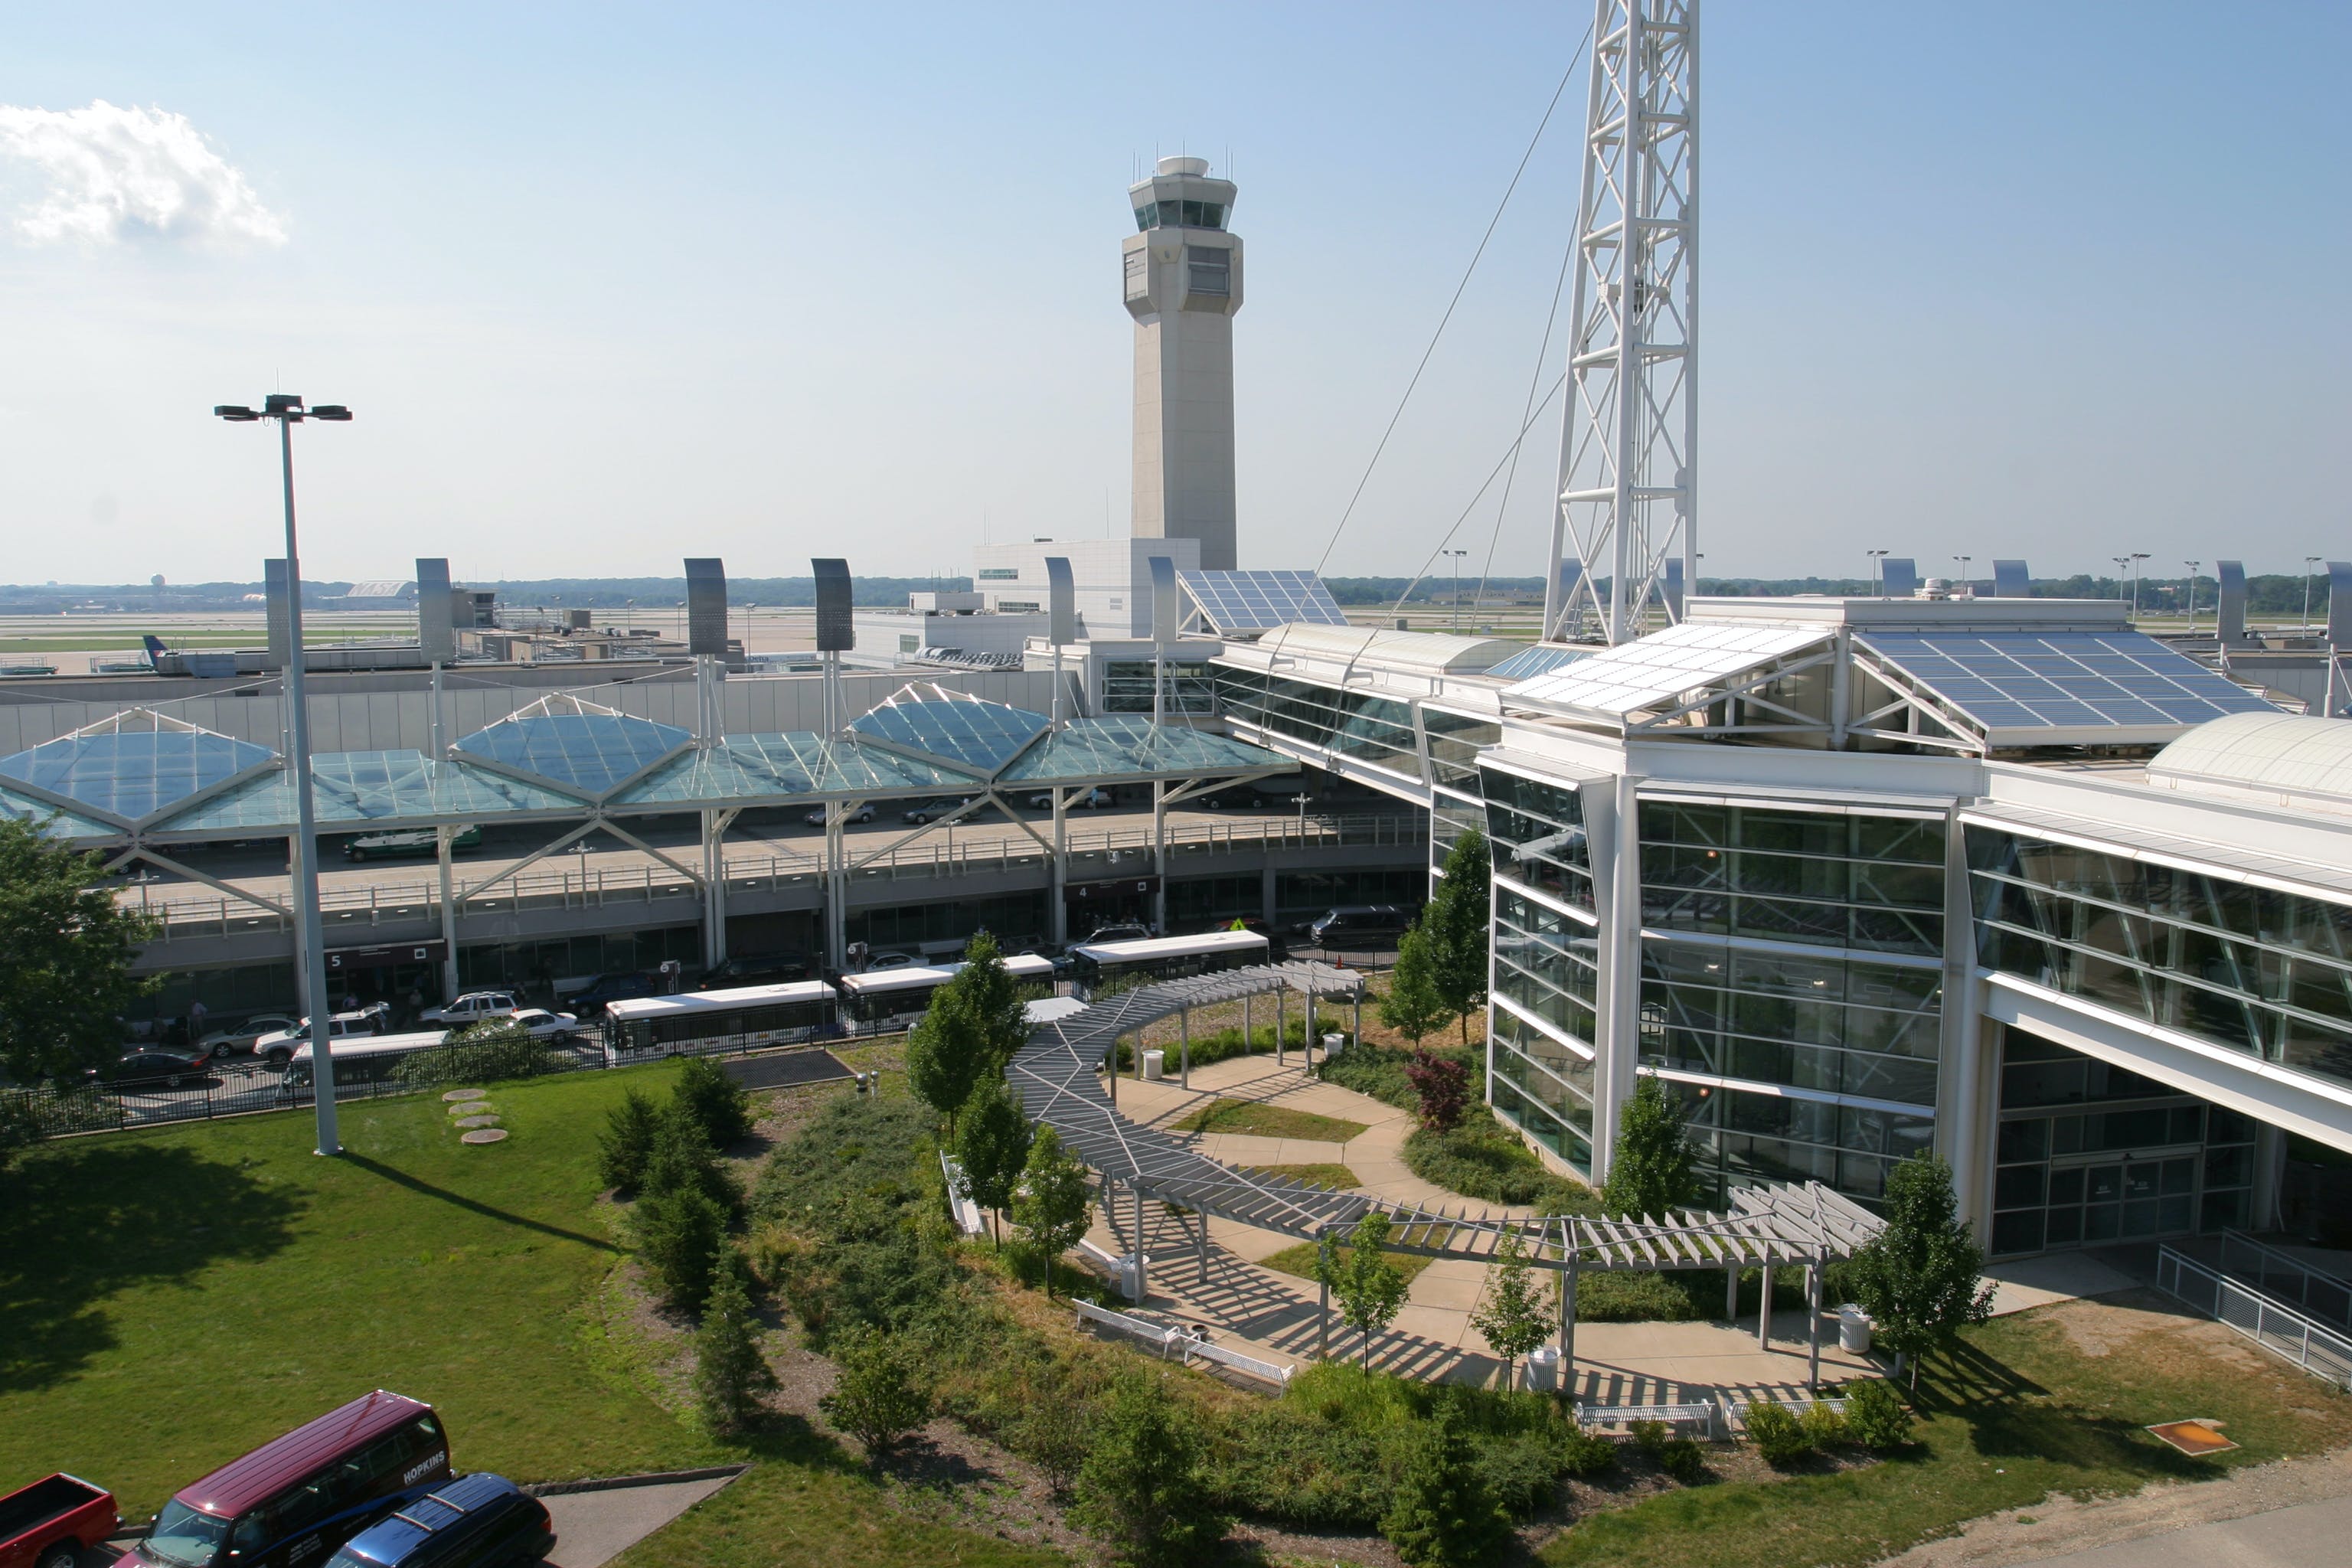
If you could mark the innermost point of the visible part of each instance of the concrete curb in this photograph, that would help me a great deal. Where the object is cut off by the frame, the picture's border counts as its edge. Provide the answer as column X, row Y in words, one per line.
column 651, row 1479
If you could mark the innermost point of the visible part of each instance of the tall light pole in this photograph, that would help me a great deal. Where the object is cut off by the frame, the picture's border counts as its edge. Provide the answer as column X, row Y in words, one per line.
column 2136, row 557
column 2192, row 566
column 2123, row 573
column 2310, row 566
column 1963, row 562
column 1877, row 569
column 288, row 410
column 1457, row 555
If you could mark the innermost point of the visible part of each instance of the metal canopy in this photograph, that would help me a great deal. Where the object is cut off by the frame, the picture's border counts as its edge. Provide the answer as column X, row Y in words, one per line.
column 1054, row 1075
column 132, row 767
column 578, row 746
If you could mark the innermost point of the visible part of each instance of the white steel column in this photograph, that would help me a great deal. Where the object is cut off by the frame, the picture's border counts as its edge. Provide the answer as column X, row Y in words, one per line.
column 1629, row 436
column 445, row 834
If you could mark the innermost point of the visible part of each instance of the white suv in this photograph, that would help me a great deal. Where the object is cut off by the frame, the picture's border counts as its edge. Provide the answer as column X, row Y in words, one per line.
column 277, row 1048
column 470, row 1008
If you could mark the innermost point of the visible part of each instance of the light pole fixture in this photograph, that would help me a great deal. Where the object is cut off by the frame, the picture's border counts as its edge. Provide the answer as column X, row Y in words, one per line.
column 1878, row 570
column 1457, row 555
column 2310, row 567
column 2192, row 566
column 1963, row 562
column 2136, row 557
column 288, row 410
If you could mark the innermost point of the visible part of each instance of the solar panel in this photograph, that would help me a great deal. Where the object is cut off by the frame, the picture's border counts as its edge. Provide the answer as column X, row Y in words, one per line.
column 1537, row 660
column 2045, row 680
column 1642, row 674
column 1241, row 602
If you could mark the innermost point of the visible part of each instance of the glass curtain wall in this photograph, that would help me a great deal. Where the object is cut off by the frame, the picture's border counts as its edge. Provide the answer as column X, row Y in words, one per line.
column 1831, row 1053
column 1358, row 724
column 2090, row 1154
column 1537, row 831
column 2254, row 970
column 1546, row 962
column 1127, row 687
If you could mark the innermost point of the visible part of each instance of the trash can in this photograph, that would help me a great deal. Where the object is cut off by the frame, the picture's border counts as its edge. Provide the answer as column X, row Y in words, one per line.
column 1853, row 1328
column 1331, row 1044
column 1155, row 1066
column 1542, row 1375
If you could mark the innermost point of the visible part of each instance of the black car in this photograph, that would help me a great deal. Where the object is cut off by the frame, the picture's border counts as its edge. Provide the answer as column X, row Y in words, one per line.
column 757, row 969
column 1362, row 928
column 591, row 998
column 174, row 1068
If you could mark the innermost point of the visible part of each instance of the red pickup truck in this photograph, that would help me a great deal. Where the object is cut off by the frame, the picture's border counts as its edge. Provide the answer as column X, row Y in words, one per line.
column 51, row 1522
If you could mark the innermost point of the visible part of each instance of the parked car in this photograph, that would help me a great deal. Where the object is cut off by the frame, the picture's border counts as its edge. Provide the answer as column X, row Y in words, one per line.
column 173, row 1066
column 932, row 810
column 277, row 1048
column 591, row 998
column 52, row 1523
column 479, row 1520
column 1360, row 927
column 755, row 969
column 241, row 1037
column 882, row 961
column 1085, row 800
column 470, row 1007
column 1063, row 964
column 559, row 1028
column 863, row 813
column 407, row 844
column 1120, row 931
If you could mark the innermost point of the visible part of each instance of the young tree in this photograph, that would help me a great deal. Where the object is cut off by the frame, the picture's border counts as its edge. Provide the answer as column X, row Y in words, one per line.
column 1919, row 1278
column 1513, row 1320
column 65, row 948
column 1442, row 1514
column 875, row 1399
column 1457, row 926
column 705, row 1092
column 993, row 1147
column 729, row 1372
column 974, row 1025
column 1050, row 1208
column 994, row 1001
column 1411, row 1005
column 1442, row 1084
column 1140, row 1489
column 681, row 1160
column 627, row 1141
column 680, row 1236
column 1654, row 1168
column 1369, row 1288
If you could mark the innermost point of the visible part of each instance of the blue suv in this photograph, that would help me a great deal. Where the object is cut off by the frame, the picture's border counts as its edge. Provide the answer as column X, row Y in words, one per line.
column 479, row 1520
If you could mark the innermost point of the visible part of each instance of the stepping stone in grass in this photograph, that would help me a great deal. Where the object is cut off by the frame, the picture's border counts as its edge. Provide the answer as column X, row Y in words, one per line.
column 478, row 1122
column 472, row 1108
column 466, row 1094
column 485, row 1135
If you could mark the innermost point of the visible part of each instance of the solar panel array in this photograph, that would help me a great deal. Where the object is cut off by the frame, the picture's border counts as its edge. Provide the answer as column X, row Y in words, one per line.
column 1537, row 661
column 1656, row 669
column 1240, row 602
column 2046, row 680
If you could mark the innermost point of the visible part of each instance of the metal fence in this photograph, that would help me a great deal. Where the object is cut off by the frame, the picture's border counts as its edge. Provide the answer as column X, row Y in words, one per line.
column 2273, row 1325
column 184, row 914
column 2283, row 1277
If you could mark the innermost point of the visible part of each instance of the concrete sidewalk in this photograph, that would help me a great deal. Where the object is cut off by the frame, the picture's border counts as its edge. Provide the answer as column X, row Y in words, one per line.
column 592, row 1528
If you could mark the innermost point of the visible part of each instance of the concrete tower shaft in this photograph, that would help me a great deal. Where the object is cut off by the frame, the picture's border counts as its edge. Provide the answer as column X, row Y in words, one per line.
column 1183, row 283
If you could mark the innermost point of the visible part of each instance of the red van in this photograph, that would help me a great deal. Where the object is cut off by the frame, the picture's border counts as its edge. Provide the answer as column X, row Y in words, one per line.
column 295, row 1499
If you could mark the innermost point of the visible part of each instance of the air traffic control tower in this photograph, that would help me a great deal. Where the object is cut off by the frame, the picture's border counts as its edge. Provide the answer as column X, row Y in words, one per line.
column 1183, row 285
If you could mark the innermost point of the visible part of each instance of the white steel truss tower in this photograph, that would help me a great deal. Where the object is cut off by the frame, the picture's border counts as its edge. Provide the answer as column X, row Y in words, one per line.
column 1628, row 507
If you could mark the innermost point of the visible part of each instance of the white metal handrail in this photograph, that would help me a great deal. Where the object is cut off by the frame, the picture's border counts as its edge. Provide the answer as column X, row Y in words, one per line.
column 2273, row 1325
column 1150, row 1333
column 1266, row 1370
column 2281, row 1274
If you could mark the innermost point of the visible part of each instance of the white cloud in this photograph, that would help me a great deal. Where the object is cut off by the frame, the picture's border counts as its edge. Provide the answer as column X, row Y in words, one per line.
column 113, row 173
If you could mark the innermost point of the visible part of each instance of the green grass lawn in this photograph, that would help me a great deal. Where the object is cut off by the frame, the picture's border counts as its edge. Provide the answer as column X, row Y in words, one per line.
column 1268, row 1121
column 2026, row 1412
column 171, row 1298
column 1299, row 1260
column 1327, row 1175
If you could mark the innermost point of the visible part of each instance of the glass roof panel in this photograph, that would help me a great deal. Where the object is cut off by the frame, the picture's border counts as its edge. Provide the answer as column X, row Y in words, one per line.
column 590, row 752
column 2028, row 681
column 801, row 764
column 384, row 788
column 1241, row 602
column 1118, row 747
column 1538, row 659
column 60, row 822
column 130, row 773
column 952, row 727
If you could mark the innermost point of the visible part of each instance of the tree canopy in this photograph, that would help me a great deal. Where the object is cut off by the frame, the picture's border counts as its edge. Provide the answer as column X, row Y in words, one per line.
column 1919, row 1278
column 992, row 1146
column 974, row 1024
column 65, row 949
column 1653, row 1169
column 1512, row 1318
column 1411, row 1005
column 1456, row 923
column 1369, row 1288
column 1050, row 1208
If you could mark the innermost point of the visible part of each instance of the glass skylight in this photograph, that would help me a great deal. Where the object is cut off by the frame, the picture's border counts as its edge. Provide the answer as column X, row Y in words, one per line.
column 132, row 766
column 952, row 727
column 589, row 751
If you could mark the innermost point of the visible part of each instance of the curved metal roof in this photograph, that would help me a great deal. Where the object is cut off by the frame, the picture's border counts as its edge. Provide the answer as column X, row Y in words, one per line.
column 1431, row 653
column 2297, row 755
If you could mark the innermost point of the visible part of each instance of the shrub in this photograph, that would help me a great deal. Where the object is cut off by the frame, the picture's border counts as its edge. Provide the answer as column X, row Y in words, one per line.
column 1580, row 1453
column 1480, row 1158
column 1777, row 1433
column 705, row 1093
column 875, row 1399
column 483, row 1052
column 681, row 1160
column 1520, row 1473
column 1140, row 1489
column 1825, row 1428
column 627, row 1141
column 1875, row 1416
column 1650, row 1436
column 680, row 1235
column 1442, row 1086
column 1305, row 1467
column 729, row 1372
column 1055, row 1435
column 1443, row 1515
column 1681, row 1459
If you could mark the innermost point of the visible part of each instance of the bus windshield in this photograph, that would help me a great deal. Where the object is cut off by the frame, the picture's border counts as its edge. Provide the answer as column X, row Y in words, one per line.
column 185, row 1537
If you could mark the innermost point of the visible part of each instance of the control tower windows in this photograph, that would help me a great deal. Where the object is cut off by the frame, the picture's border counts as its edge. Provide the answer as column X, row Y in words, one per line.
column 1209, row 272
column 1179, row 214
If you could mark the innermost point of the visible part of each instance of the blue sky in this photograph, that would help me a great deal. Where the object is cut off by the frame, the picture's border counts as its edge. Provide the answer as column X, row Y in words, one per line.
column 610, row 286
